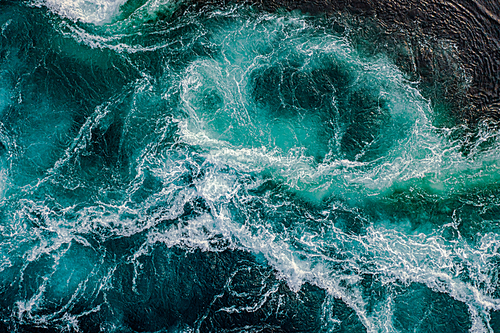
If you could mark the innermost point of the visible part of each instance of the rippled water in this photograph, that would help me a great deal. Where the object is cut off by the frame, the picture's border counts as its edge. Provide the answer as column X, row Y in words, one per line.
column 176, row 169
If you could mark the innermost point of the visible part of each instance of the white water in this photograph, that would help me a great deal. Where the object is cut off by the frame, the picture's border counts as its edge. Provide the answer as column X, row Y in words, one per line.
column 277, row 170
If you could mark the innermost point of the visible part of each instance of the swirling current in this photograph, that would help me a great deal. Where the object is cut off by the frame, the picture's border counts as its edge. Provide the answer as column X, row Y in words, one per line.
column 167, row 167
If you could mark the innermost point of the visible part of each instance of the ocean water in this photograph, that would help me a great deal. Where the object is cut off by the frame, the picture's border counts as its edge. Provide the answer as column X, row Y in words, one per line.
column 175, row 168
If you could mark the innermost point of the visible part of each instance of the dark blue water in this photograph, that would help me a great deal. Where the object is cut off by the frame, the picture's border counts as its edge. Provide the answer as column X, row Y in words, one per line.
column 173, row 169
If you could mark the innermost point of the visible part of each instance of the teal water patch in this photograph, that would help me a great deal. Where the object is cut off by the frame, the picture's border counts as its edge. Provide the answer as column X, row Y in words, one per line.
column 227, row 169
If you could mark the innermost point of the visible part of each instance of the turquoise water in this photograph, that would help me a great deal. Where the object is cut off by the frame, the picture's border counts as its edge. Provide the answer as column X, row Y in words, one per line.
column 173, row 169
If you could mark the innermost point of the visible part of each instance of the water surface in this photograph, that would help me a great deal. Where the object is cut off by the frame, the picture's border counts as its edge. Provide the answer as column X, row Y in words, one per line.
column 166, row 168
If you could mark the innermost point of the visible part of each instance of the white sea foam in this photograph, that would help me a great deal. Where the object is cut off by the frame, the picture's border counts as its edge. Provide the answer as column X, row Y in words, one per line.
column 88, row 11
column 101, row 12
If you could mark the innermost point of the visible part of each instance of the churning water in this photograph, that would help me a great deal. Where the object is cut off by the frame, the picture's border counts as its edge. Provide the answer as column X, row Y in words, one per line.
column 232, row 170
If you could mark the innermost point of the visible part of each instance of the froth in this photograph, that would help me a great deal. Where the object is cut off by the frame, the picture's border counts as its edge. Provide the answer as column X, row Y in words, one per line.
column 88, row 11
column 101, row 12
